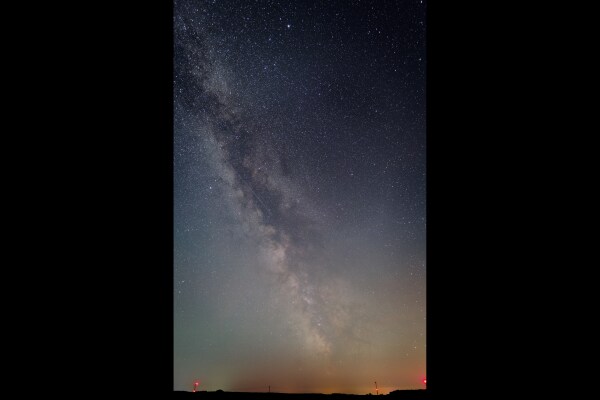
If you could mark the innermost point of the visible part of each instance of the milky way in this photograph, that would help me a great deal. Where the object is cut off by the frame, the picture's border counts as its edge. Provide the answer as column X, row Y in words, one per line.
column 299, row 195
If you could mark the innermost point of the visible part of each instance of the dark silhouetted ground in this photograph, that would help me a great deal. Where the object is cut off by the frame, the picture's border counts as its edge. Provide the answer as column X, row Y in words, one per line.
column 396, row 394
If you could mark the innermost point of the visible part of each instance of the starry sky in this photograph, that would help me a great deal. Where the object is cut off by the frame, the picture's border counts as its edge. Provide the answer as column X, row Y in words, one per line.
column 299, row 195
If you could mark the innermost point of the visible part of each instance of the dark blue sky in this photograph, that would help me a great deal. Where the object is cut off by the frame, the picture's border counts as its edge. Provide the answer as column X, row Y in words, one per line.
column 299, row 195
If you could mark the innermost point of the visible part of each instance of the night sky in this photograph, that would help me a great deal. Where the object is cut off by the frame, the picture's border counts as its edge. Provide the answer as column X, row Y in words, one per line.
column 299, row 194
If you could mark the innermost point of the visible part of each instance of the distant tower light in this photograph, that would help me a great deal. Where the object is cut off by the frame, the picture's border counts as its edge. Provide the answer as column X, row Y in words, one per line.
column 376, row 389
column 195, row 386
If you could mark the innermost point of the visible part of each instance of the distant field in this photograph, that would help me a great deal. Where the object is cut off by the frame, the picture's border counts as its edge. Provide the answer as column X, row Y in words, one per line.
column 399, row 394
